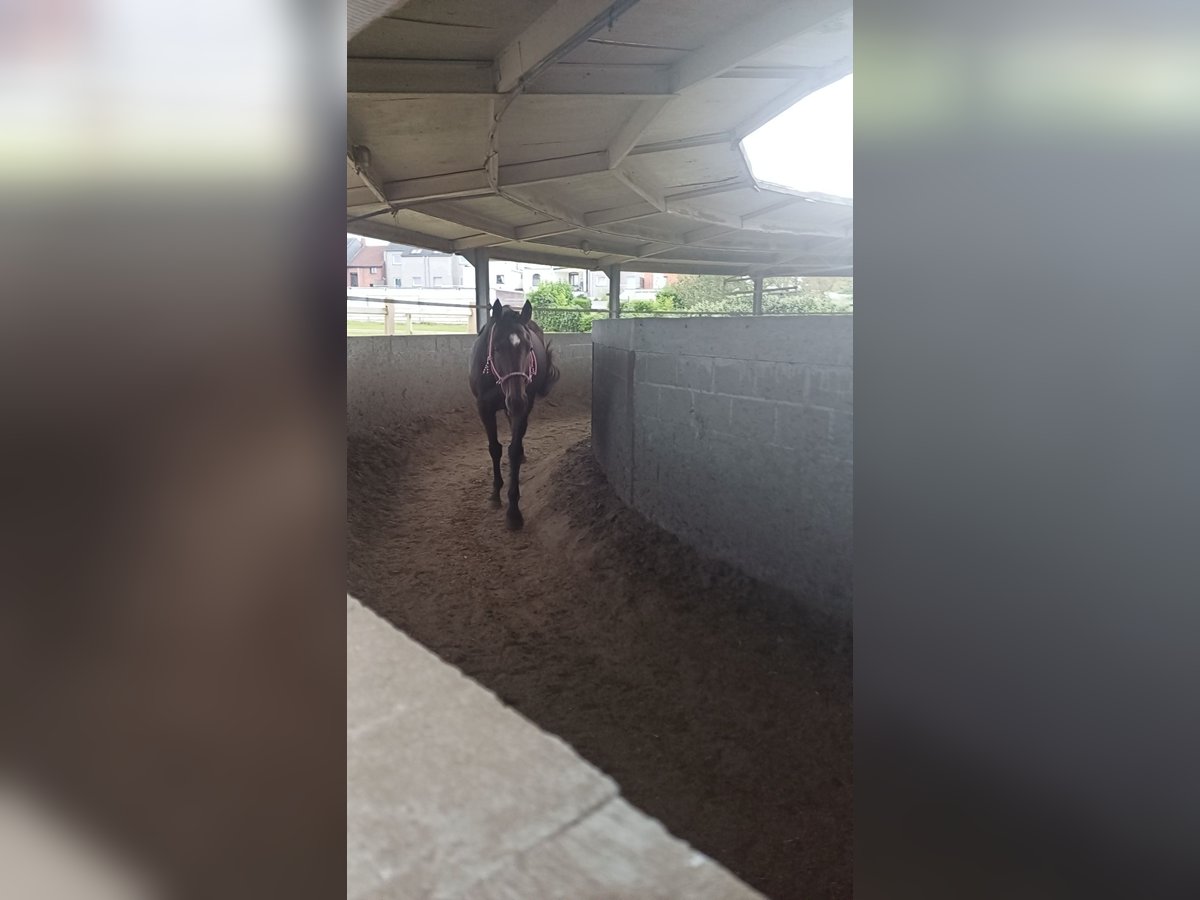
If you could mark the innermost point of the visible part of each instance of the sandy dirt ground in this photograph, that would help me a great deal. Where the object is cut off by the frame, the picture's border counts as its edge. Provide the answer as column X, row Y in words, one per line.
column 718, row 704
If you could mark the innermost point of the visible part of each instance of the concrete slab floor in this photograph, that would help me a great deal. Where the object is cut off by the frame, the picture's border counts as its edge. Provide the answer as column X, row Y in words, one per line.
column 450, row 795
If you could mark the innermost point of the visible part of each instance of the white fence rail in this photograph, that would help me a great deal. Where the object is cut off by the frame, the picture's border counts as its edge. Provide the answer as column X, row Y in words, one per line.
column 400, row 308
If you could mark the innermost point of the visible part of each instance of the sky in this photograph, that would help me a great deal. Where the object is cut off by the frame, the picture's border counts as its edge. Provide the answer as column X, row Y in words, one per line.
column 810, row 146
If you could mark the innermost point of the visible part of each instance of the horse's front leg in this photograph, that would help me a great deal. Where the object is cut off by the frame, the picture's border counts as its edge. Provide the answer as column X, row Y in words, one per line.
column 516, row 456
column 496, row 451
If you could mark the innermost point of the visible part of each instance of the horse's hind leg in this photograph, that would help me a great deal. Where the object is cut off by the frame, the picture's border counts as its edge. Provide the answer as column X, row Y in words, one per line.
column 516, row 456
column 496, row 451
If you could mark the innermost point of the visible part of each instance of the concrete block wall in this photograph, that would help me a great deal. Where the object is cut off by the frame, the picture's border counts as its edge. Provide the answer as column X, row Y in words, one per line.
column 450, row 794
column 736, row 434
column 391, row 380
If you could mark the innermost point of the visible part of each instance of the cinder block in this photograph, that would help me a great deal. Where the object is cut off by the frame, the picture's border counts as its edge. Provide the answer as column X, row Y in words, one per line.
column 609, row 365
column 656, row 368
column 785, row 382
column 695, row 373
column 382, row 666
column 393, row 379
column 805, row 428
column 733, row 376
column 711, row 412
column 833, row 388
column 843, row 435
column 614, row 333
column 443, row 783
column 815, row 340
column 675, row 405
column 570, row 346
column 645, row 400
column 415, row 343
column 614, row 852
column 369, row 357
column 753, row 420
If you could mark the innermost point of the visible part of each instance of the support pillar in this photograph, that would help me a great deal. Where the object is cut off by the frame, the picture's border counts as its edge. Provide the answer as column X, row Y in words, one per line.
column 758, row 288
column 614, row 292
column 483, row 287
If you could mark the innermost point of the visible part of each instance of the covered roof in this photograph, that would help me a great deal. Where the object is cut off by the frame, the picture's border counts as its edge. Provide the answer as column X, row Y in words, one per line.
column 591, row 132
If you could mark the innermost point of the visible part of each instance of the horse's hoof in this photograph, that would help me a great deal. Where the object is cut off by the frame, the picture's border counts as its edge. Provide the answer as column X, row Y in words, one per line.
column 494, row 502
column 515, row 520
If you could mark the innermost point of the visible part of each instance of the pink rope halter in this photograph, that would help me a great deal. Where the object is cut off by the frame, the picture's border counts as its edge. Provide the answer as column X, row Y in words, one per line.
column 490, row 366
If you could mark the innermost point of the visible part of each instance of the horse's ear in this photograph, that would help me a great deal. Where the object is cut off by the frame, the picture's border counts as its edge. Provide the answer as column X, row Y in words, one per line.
column 526, row 312
column 497, row 308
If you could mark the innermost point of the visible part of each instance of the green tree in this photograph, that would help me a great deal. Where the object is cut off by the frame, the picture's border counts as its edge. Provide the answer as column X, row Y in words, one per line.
column 664, row 301
column 713, row 294
column 552, row 293
column 669, row 295
column 808, row 294
column 558, row 308
column 781, row 295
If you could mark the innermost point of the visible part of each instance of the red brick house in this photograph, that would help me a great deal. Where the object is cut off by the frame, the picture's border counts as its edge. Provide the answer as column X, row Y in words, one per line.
column 366, row 268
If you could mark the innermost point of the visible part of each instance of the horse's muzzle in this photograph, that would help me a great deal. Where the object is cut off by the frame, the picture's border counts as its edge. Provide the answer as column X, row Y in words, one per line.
column 515, row 400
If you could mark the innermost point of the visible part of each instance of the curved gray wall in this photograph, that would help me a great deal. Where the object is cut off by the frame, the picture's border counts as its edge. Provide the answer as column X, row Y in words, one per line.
column 391, row 380
column 736, row 434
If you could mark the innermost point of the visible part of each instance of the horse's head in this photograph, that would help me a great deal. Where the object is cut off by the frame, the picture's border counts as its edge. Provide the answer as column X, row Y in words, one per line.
column 511, row 358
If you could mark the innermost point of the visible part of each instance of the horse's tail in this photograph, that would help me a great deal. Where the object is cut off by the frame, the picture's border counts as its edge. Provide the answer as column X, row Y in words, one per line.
column 552, row 373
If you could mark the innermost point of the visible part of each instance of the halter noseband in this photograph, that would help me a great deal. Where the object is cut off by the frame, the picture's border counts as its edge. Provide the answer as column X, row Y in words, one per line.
column 490, row 366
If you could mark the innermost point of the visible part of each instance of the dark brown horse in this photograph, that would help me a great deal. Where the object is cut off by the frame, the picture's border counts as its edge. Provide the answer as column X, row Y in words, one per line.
column 511, row 366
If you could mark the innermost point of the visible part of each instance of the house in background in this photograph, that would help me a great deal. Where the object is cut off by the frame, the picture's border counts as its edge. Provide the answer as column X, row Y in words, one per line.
column 594, row 284
column 402, row 266
column 506, row 275
column 578, row 279
column 365, row 269
column 408, row 267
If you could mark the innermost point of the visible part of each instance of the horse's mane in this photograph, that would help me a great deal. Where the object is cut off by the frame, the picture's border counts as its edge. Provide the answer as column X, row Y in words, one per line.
column 552, row 372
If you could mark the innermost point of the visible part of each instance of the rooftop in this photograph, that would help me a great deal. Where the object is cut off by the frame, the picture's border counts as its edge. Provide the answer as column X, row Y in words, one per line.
column 368, row 256
column 588, row 133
